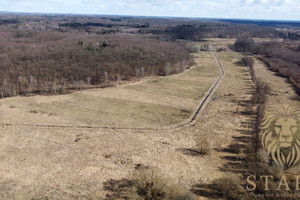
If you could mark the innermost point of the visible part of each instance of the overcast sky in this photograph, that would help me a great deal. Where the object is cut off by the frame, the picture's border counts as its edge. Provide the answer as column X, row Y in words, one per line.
column 251, row 9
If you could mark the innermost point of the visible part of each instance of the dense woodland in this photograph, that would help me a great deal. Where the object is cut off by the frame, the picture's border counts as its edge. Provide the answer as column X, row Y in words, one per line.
column 37, row 61
column 281, row 57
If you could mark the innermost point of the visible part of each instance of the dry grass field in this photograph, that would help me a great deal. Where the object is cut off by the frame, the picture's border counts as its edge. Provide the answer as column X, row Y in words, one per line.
column 70, row 162
column 74, row 163
column 282, row 92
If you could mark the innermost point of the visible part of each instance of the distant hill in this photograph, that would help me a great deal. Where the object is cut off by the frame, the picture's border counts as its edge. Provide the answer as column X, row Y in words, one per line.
column 271, row 23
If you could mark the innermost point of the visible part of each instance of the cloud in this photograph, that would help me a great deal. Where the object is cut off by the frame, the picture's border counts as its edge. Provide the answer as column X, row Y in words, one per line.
column 268, row 2
column 267, row 9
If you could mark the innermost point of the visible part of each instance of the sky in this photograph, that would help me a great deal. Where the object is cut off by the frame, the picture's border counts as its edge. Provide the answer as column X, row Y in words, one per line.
column 241, row 9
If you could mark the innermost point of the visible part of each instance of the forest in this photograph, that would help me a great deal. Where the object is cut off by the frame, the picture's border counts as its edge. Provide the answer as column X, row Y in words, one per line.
column 53, row 62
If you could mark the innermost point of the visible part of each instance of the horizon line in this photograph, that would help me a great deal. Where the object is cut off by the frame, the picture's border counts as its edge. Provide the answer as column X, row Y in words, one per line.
column 150, row 16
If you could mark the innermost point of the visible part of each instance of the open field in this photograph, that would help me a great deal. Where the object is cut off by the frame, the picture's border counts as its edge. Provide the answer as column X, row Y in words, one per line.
column 71, row 162
column 74, row 163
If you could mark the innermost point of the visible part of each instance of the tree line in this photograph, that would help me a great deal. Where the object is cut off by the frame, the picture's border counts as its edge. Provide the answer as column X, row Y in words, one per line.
column 280, row 57
column 213, row 30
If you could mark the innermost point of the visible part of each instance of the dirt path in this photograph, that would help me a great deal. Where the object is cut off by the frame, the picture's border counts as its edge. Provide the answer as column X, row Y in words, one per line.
column 212, row 89
column 225, row 125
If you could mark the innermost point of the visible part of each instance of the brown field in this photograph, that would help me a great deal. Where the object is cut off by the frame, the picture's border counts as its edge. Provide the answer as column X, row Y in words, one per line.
column 76, row 161
column 73, row 163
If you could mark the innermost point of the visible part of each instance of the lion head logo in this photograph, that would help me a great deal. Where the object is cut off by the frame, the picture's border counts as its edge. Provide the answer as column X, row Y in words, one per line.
column 280, row 136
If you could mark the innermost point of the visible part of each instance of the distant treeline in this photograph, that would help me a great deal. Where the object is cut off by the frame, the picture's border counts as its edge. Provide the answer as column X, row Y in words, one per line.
column 167, row 28
column 270, row 23
column 214, row 30
column 88, row 24
column 282, row 58
column 51, row 62
column 9, row 21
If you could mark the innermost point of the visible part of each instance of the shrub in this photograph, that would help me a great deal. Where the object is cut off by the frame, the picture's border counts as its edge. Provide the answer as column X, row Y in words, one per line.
column 229, row 187
column 193, row 49
column 247, row 61
column 221, row 49
column 202, row 146
column 298, row 48
column 244, row 44
column 150, row 184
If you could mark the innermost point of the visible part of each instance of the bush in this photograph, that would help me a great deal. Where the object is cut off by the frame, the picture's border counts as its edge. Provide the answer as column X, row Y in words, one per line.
column 221, row 49
column 193, row 49
column 298, row 48
column 244, row 44
column 150, row 184
column 202, row 146
column 229, row 187
column 247, row 61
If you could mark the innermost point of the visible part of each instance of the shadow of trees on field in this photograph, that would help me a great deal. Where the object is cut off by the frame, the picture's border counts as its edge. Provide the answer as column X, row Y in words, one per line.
column 234, row 154
column 189, row 152
column 116, row 188
column 205, row 190
column 235, row 161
